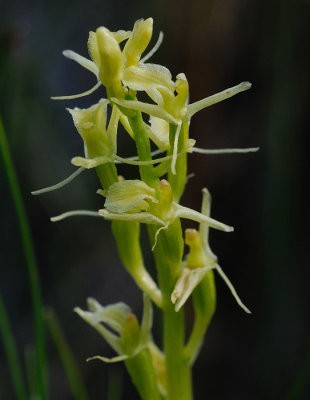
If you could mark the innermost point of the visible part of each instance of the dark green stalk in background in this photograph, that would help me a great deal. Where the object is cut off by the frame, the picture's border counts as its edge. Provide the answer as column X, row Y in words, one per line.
column 66, row 356
column 30, row 261
column 11, row 353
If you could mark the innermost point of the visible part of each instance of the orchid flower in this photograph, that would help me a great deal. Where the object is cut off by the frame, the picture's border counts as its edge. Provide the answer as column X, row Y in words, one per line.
column 173, row 109
column 119, row 327
column 134, row 200
column 111, row 65
column 199, row 262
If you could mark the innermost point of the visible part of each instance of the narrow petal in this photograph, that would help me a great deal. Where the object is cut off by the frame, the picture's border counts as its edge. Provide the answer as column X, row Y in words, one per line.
column 121, row 35
column 60, row 184
column 154, row 49
column 157, row 233
column 130, row 161
column 138, row 41
column 175, row 148
column 112, row 128
column 93, row 49
column 156, row 96
column 120, row 160
column 231, row 288
column 205, row 210
column 116, row 359
column 216, row 98
column 225, row 151
column 147, row 108
column 85, row 62
column 188, row 213
column 75, row 213
column 75, row 96
column 142, row 217
column 126, row 125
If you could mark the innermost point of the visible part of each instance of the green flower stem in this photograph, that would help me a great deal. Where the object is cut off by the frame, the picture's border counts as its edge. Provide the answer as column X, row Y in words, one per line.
column 143, row 375
column 30, row 262
column 143, row 148
column 168, row 256
column 107, row 174
column 204, row 302
column 178, row 181
column 127, row 235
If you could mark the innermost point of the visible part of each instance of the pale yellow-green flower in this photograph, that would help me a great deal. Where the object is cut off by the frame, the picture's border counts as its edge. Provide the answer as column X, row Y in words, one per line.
column 136, row 201
column 199, row 262
column 129, row 196
column 174, row 110
column 91, row 123
column 119, row 327
column 113, row 66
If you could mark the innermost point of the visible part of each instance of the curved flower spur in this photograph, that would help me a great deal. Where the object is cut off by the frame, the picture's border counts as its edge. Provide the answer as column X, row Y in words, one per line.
column 117, row 61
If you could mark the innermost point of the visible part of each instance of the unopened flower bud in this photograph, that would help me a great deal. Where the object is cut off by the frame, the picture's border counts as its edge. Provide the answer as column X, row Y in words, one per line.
column 111, row 58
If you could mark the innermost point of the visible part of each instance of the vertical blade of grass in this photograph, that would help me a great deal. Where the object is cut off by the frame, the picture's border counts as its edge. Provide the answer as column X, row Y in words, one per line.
column 301, row 384
column 65, row 353
column 11, row 353
column 114, row 385
column 30, row 262
column 30, row 362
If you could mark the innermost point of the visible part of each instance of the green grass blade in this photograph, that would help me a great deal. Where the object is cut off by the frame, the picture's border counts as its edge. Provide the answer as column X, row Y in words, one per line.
column 114, row 385
column 30, row 261
column 67, row 358
column 301, row 384
column 30, row 362
column 11, row 353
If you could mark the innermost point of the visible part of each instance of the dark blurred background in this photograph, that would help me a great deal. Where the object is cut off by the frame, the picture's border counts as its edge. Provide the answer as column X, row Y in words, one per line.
column 217, row 44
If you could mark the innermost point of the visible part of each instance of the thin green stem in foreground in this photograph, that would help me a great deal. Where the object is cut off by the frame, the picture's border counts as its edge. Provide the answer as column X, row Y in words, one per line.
column 30, row 261
column 73, row 374
column 12, row 355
